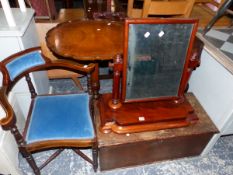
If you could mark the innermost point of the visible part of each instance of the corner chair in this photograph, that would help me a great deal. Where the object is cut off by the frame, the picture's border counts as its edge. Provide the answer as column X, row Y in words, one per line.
column 54, row 121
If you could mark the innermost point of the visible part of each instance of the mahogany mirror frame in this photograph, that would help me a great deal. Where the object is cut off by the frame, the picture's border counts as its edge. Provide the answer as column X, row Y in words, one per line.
column 121, row 115
column 185, row 74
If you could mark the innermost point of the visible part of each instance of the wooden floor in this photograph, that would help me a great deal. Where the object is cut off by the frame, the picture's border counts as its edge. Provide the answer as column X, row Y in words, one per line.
column 200, row 11
column 70, row 14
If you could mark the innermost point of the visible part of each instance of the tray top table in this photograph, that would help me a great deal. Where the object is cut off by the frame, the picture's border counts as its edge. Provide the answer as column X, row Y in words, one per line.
column 87, row 40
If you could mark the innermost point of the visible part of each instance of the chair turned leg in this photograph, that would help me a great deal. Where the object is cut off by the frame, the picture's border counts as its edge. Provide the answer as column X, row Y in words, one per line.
column 95, row 157
column 89, row 84
column 32, row 164
column 25, row 153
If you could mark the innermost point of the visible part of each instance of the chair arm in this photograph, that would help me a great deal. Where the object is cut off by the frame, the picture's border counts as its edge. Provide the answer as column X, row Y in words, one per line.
column 9, row 120
column 68, row 64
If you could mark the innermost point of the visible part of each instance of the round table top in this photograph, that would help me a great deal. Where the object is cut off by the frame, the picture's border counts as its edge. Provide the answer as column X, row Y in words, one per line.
column 86, row 40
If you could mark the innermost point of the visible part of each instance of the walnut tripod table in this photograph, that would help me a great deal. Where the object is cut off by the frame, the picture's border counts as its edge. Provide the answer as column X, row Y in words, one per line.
column 87, row 41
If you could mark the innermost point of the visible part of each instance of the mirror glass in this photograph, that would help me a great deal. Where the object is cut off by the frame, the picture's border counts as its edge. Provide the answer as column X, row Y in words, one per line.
column 156, row 58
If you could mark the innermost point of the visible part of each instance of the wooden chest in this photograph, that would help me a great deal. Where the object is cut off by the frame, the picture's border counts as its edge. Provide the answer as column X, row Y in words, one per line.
column 123, row 150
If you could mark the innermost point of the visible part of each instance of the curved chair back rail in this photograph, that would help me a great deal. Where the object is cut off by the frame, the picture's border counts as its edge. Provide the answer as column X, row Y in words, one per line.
column 18, row 65
column 54, row 120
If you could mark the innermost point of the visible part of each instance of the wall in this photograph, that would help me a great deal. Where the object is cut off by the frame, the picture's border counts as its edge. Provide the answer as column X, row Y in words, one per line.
column 212, row 84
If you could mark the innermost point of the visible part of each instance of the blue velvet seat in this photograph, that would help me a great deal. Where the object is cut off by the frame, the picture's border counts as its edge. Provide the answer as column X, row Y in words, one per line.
column 56, row 118
column 55, row 121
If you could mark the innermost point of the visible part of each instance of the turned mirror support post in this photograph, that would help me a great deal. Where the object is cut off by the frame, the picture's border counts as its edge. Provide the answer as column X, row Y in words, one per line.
column 115, row 103
column 193, row 64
